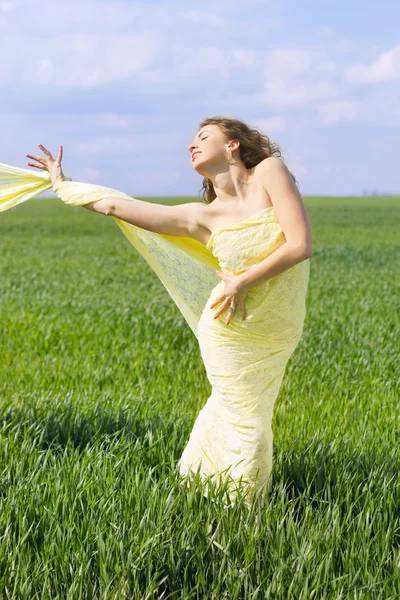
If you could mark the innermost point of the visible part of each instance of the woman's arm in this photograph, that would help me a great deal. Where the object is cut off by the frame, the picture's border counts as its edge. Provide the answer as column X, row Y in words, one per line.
column 179, row 219
column 99, row 206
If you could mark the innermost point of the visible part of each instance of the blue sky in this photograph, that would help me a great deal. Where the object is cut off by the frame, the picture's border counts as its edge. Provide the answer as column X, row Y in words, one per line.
column 124, row 85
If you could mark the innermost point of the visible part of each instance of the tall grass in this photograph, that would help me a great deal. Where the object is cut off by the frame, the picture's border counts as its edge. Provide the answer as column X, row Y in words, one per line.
column 101, row 380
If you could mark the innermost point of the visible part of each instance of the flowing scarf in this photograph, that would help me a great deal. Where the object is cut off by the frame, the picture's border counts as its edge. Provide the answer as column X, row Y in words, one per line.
column 184, row 265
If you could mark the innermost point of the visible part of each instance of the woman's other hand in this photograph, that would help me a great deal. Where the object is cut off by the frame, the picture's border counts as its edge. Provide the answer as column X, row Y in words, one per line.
column 234, row 293
column 53, row 166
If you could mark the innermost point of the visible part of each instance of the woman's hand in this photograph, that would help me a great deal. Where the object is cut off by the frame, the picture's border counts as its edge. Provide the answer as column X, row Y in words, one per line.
column 234, row 293
column 49, row 164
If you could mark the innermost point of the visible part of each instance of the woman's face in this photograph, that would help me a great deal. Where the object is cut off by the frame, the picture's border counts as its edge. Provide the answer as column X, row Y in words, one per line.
column 208, row 149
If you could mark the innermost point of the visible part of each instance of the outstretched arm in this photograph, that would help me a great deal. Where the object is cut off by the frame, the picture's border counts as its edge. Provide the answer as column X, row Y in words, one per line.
column 179, row 219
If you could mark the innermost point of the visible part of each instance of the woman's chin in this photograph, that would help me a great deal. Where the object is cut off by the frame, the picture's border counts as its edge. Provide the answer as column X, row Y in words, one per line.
column 199, row 169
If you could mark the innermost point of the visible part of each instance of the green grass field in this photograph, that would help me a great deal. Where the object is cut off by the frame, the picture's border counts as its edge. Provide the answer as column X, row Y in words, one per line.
column 101, row 381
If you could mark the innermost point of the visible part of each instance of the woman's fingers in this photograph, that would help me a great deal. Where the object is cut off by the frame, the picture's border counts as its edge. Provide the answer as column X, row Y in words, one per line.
column 43, row 149
column 42, row 163
column 45, row 163
column 217, row 301
column 230, row 312
column 38, row 158
column 242, row 310
column 222, row 308
column 42, row 160
column 37, row 166
column 229, row 317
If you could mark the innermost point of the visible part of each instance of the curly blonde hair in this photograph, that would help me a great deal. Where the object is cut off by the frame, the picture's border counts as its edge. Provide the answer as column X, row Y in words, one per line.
column 254, row 147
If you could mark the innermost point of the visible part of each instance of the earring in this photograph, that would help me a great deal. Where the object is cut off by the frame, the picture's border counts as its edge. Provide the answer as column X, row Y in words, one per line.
column 229, row 156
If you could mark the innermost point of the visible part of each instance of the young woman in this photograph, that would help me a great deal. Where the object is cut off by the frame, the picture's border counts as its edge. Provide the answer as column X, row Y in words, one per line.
column 252, row 232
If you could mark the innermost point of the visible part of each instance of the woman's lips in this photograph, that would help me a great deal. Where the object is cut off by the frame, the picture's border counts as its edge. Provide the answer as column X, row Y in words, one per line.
column 194, row 155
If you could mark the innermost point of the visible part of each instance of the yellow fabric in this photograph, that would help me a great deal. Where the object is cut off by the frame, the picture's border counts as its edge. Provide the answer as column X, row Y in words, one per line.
column 244, row 361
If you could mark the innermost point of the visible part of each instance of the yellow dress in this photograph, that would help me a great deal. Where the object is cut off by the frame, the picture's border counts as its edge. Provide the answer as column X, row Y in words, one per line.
column 245, row 361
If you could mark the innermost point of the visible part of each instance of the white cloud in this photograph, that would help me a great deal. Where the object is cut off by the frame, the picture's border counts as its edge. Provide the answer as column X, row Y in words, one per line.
column 9, row 5
column 286, row 94
column 92, row 44
column 336, row 112
column 385, row 68
column 289, row 61
column 87, row 60
column 132, row 143
column 203, row 17
column 113, row 120
column 326, row 32
column 298, row 77
column 270, row 125
column 244, row 58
